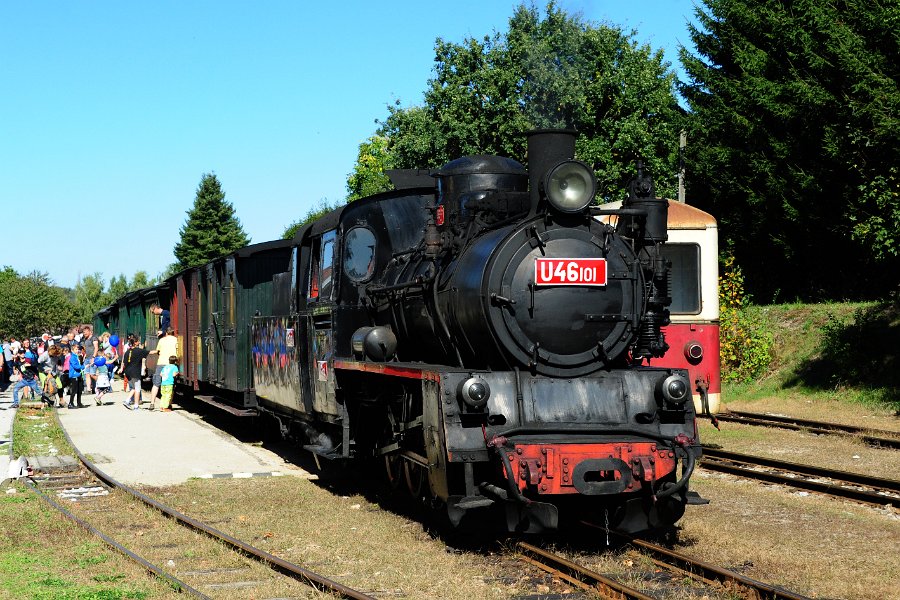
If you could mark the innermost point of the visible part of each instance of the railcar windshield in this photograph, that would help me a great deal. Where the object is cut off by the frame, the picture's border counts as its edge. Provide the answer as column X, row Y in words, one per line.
column 684, row 276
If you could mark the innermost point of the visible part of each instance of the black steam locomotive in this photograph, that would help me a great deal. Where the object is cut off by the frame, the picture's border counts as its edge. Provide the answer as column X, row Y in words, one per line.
column 476, row 333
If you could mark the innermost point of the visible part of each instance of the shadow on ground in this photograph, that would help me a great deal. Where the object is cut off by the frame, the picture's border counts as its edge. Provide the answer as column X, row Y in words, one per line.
column 860, row 352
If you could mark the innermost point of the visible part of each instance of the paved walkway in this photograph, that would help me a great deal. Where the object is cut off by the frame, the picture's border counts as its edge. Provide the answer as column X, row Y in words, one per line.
column 6, row 420
column 155, row 448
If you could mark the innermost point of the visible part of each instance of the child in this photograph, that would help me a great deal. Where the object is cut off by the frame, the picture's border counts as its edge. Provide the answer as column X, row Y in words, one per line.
column 50, row 387
column 28, row 380
column 167, row 384
column 103, row 383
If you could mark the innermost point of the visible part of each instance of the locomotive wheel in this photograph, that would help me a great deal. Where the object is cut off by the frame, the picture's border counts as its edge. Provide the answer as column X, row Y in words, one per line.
column 415, row 478
column 393, row 470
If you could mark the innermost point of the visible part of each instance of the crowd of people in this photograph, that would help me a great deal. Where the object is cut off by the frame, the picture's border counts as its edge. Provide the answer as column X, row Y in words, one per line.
column 84, row 364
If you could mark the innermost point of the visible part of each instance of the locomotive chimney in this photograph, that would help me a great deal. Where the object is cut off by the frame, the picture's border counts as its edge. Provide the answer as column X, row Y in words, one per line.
column 546, row 149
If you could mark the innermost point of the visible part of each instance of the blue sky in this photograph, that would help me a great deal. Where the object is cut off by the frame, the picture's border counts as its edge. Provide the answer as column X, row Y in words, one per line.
column 110, row 112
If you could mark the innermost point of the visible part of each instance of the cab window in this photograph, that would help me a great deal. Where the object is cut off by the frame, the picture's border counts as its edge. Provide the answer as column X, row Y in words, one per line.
column 684, row 277
column 321, row 279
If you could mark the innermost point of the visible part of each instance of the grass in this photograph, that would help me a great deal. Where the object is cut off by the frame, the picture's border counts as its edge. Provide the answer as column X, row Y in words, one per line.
column 812, row 545
column 37, row 435
column 44, row 555
column 345, row 536
column 820, row 547
column 824, row 350
column 834, row 362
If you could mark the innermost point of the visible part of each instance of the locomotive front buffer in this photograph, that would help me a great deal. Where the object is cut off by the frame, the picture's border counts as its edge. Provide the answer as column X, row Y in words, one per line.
column 606, row 447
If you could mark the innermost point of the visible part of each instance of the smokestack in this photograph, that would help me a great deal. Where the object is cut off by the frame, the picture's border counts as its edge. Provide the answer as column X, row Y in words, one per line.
column 546, row 149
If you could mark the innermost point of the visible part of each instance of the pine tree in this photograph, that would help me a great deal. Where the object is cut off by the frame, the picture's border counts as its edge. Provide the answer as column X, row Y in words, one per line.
column 796, row 141
column 211, row 229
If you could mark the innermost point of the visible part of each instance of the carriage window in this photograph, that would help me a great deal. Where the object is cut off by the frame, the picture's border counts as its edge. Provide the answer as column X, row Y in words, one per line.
column 359, row 254
column 322, row 283
column 684, row 276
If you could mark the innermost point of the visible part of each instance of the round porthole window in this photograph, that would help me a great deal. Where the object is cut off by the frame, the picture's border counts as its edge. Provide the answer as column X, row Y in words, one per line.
column 359, row 254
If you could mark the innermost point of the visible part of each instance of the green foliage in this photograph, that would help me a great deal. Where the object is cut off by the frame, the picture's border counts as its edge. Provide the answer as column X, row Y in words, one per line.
column 746, row 344
column 31, row 305
column 141, row 280
column 878, row 229
column 211, row 229
column 118, row 287
column 368, row 175
column 90, row 296
column 858, row 352
column 556, row 71
column 320, row 209
column 8, row 274
column 794, row 140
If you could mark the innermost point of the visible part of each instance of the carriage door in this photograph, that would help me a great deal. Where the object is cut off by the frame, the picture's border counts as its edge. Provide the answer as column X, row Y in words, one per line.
column 228, row 363
column 213, row 329
column 321, row 303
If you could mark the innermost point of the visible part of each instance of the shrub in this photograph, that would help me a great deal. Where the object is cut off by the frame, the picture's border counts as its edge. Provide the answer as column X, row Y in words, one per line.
column 746, row 343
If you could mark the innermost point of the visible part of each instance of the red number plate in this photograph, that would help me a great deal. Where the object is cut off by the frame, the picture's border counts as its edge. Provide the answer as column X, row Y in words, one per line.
column 570, row 271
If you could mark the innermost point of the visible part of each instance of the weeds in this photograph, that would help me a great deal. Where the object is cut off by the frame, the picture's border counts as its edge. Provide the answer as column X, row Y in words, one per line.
column 744, row 337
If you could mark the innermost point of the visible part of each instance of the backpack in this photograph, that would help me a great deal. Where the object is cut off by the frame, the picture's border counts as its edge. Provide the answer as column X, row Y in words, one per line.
column 50, row 386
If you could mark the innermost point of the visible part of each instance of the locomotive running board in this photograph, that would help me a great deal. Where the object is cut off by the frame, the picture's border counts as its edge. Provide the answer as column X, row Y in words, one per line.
column 238, row 412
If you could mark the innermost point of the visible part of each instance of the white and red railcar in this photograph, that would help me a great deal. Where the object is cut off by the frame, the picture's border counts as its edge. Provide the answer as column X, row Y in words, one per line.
column 693, row 334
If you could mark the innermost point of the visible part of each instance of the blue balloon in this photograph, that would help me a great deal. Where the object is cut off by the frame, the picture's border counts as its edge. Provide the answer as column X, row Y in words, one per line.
column 99, row 361
column 113, row 340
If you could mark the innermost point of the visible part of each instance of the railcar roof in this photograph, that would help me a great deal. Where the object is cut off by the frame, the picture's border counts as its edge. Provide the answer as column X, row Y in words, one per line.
column 331, row 220
column 261, row 247
column 681, row 216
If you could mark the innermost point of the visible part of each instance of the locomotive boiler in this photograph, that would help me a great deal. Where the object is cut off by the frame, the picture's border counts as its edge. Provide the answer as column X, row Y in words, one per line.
column 478, row 335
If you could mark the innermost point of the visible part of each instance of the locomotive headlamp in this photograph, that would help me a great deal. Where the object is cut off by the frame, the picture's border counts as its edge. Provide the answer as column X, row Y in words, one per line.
column 474, row 392
column 570, row 186
column 675, row 389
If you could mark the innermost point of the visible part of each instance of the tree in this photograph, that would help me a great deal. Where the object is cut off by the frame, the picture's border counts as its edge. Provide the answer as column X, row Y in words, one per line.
column 8, row 274
column 118, row 287
column 141, row 280
column 557, row 71
column 368, row 175
column 31, row 305
column 90, row 296
column 795, row 141
column 211, row 229
column 320, row 209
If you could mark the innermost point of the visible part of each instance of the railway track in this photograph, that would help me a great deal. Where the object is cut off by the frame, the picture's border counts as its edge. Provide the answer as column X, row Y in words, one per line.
column 872, row 437
column 860, row 488
column 701, row 572
column 192, row 556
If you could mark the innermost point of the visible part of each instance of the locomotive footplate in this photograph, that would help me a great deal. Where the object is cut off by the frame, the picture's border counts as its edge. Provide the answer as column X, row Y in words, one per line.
column 590, row 469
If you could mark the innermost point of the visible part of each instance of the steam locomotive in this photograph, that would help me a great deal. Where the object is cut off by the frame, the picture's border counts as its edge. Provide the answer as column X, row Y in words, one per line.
column 478, row 333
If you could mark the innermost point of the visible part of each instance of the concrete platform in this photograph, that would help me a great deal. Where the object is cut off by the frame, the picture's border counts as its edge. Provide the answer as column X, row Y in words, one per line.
column 156, row 448
column 6, row 421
